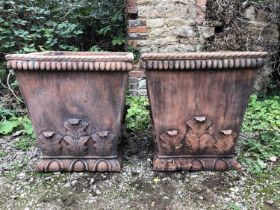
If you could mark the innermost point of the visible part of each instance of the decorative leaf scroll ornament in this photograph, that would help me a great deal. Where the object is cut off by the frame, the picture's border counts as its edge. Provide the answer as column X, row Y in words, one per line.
column 76, row 136
column 49, row 143
column 103, row 142
column 172, row 141
column 225, row 141
column 199, row 139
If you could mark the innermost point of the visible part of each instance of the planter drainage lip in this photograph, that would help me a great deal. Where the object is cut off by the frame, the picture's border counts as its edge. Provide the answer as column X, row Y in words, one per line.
column 203, row 60
column 71, row 61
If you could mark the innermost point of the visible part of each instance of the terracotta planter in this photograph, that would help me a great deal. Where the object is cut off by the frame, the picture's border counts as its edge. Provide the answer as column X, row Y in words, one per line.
column 198, row 101
column 76, row 103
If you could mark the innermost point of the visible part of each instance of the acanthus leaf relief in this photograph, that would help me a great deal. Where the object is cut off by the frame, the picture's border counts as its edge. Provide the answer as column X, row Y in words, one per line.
column 76, row 136
column 75, row 127
column 172, row 141
column 103, row 142
column 225, row 141
column 199, row 139
column 49, row 143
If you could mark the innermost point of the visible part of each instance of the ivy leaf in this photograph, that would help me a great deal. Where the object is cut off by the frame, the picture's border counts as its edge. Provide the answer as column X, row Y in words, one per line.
column 27, row 125
column 7, row 126
column 261, row 164
column 118, row 41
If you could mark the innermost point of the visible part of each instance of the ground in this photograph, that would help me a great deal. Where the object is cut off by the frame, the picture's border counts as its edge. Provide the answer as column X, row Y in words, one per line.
column 136, row 187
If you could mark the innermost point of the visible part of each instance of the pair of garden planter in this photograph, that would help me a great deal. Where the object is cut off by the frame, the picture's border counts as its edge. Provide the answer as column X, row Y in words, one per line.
column 76, row 102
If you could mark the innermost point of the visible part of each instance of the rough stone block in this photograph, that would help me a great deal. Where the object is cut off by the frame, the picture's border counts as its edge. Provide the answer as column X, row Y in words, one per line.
column 155, row 23
column 142, row 92
column 142, row 84
column 177, row 48
column 175, row 21
column 205, row 31
column 137, row 36
column 183, row 31
column 159, row 32
column 137, row 22
column 146, row 42
column 165, row 41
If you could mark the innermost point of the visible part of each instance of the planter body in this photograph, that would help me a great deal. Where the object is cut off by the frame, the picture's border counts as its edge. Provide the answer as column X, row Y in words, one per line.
column 76, row 103
column 198, row 102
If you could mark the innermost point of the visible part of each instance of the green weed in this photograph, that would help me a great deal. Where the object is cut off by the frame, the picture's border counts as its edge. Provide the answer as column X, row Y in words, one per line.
column 2, row 153
column 24, row 143
column 137, row 117
column 262, row 126
column 263, row 114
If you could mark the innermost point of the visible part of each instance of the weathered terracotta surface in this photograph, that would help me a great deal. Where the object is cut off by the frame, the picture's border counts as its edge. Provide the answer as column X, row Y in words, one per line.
column 76, row 103
column 198, row 102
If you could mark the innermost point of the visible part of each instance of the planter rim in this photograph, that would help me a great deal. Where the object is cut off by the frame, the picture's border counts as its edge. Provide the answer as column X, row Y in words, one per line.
column 71, row 61
column 202, row 55
column 203, row 60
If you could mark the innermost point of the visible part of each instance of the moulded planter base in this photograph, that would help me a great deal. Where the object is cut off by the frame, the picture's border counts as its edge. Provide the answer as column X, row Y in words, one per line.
column 84, row 164
column 195, row 164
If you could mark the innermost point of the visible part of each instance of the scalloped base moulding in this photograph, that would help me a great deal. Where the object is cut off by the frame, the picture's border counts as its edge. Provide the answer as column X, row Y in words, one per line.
column 195, row 164
column 79, row 165
column 198, row 101
column 76, row 104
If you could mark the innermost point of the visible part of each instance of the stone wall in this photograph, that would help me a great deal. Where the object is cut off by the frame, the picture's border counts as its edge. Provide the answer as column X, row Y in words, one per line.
column 137, row 83
column 167, row 25
column 164, row 26
column 203, row 25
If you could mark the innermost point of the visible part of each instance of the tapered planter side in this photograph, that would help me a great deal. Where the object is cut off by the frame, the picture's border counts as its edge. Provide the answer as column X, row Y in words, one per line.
column 76, row 103
column 198, row 101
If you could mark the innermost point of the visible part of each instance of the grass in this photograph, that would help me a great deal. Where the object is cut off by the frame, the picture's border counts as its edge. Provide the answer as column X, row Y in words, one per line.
column 261, row 126
column 2, row 153
column 25, row 143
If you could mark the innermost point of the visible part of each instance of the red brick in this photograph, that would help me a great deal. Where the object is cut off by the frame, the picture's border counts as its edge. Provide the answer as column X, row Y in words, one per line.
column 131, row 3
column 132, row 10
column 201, row 3
column 200, row 11
column 138, row 29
